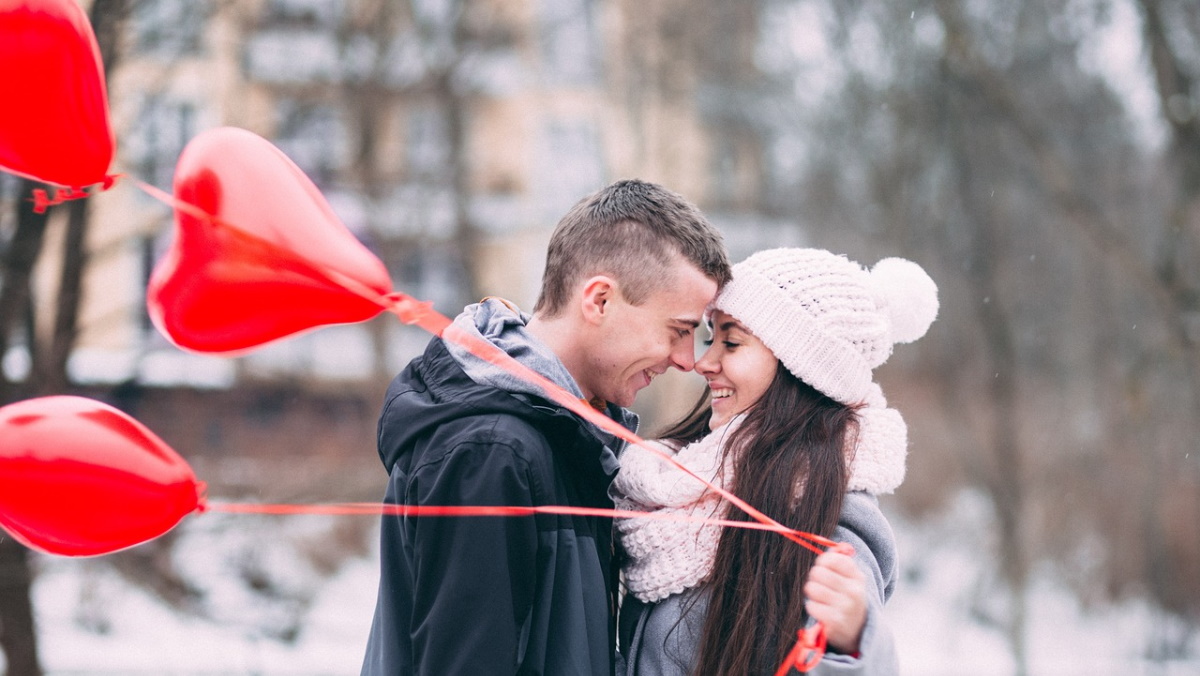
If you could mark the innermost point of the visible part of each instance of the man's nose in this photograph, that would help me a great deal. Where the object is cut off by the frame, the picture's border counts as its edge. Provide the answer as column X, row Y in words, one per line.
column 683, row 357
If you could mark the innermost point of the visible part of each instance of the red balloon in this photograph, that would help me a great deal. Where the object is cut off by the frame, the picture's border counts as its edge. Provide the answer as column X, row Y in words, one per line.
column 259, row 254
column 54, row 123
column 80, row 478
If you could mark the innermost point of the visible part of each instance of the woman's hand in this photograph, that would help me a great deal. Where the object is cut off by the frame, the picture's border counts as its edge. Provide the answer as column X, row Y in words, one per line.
column 837, row 596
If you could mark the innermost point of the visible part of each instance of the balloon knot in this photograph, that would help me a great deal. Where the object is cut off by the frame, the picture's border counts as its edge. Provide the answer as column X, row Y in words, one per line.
column 409, row 309
column 43, row 201
column 201, row 497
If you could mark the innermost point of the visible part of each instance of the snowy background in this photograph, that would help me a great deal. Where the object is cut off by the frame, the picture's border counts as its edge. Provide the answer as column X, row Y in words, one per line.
column 987, row 140
column 93, row 622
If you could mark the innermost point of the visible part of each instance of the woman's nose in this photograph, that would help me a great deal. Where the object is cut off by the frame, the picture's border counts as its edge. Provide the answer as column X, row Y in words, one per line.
column 707, row 364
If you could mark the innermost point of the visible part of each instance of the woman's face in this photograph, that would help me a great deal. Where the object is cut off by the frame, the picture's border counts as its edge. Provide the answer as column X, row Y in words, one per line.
column 738, row 368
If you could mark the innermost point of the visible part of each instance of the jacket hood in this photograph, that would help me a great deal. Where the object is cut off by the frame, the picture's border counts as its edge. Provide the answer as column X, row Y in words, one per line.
column 448, row 382
column 503, row 325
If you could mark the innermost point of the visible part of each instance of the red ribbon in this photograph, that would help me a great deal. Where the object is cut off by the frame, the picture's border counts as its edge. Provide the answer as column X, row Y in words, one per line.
column 383, row 509
column 419, row 313
column 810, row 642
column 807, row 652
column 43, row 201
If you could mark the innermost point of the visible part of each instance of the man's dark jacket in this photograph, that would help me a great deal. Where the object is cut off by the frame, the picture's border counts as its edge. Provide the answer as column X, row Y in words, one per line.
column 490, row 595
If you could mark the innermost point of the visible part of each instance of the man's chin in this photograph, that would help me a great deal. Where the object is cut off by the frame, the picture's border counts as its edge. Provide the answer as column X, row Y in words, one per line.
column 624, row 399
column 623, row 403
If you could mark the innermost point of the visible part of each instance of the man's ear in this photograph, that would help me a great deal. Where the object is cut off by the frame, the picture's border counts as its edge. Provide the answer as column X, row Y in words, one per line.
column 596, row 295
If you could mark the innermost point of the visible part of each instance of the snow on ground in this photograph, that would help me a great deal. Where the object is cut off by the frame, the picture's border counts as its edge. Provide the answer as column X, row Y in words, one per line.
column 148, row 638
column 144, row 636
column 938, row 632
column 931, row 614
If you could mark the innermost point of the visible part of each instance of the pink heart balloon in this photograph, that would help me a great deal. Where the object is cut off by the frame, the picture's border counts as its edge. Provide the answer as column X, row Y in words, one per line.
column 258, row 253
column 54, row 123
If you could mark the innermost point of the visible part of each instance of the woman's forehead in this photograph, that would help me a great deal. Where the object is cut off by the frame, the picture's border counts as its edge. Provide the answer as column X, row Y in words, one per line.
column 721, row 321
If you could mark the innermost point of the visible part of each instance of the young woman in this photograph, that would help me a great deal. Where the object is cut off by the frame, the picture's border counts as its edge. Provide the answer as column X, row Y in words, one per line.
column 797, row 428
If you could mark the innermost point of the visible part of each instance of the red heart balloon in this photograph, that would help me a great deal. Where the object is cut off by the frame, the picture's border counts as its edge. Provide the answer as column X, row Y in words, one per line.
column 258, row 253
column 80, row 478
column 54, row 124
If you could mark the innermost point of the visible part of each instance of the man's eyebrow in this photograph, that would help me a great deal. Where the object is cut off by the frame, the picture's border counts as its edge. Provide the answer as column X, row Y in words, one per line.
column 694, row 323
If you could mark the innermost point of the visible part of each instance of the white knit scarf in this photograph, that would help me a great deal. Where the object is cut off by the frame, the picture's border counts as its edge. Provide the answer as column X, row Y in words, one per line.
column 667, row 557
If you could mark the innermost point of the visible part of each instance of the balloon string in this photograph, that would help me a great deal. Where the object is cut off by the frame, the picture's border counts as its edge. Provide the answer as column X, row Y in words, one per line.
column 494, row 355
column 810, row 642
column 806, row 652
column 422, row 314
column 419, row 313
column 192, row 210
column 385, row 509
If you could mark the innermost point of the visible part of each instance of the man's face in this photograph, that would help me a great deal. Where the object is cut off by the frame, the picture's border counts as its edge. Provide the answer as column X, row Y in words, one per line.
column 635, row 343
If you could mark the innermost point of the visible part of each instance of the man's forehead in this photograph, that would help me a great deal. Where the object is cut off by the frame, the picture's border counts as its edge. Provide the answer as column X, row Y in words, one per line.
column 682, row 295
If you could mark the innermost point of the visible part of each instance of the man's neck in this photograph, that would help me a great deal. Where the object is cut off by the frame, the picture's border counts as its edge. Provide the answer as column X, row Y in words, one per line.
column 558, row 335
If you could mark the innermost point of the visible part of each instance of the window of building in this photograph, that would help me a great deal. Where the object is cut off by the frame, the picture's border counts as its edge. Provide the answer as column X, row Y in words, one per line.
column 164, row 126
column 569, row 40
column 307, row 13
column 313, row 136
column 170, row 28
column 427, row 147
column 292, row 56
column 152, row 145
column 569, row 166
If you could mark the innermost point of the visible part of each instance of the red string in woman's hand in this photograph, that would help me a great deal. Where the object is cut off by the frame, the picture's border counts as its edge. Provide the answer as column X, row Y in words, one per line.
column 807, row 652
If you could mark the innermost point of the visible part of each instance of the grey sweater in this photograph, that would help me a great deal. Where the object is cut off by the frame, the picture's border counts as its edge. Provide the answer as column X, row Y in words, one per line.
column 660, row 639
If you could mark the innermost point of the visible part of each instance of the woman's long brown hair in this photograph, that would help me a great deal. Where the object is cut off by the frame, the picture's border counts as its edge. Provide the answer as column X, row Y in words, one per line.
column 790, row 463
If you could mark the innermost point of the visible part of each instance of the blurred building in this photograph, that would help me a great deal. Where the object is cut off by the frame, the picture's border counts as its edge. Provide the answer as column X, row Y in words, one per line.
column 449, row 136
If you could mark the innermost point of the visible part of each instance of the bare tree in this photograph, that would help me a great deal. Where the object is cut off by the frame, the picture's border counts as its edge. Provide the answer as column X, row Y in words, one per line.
column 370, row 98
column 971, row 137
column 48, row 373
column 443, row 44
column 18, row 636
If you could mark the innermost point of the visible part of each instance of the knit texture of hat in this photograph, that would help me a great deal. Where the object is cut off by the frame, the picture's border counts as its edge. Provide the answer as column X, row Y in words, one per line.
column 826, row 318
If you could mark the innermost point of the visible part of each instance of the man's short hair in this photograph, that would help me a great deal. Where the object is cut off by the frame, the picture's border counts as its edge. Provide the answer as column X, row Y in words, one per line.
column 631, row 230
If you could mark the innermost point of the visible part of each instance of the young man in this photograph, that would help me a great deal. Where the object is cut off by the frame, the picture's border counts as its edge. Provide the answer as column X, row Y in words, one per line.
column 629, row 272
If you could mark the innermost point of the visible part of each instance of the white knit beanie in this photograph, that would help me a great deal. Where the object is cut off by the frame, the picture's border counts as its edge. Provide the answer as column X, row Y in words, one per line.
column 831, row 322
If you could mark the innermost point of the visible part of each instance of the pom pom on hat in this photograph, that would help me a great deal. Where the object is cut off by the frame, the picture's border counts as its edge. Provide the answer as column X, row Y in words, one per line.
column 908, row 296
